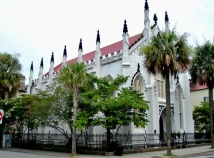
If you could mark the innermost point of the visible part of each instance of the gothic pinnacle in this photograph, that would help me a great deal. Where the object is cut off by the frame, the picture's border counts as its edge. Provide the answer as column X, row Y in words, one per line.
column 125, row 28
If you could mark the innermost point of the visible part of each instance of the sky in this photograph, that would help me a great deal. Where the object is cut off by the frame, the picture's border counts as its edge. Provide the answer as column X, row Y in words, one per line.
column 36, row 28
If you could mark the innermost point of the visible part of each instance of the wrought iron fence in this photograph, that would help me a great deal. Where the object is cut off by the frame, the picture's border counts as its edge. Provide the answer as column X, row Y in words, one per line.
column 99, row 141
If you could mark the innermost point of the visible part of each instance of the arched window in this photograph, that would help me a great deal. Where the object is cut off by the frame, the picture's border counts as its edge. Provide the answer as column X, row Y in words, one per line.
column 138, row 84
column 110, row 78
column 161, row 85
column 180, row 104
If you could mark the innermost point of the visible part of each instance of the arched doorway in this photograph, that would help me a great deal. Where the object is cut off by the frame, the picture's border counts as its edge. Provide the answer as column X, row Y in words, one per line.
column 162, row 122
column 161, row 128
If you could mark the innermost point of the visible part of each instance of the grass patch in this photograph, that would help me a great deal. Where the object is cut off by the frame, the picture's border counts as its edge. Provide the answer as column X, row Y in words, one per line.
column 170, row 156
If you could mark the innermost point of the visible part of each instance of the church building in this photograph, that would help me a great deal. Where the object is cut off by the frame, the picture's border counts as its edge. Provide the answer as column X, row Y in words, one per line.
column 122, row 58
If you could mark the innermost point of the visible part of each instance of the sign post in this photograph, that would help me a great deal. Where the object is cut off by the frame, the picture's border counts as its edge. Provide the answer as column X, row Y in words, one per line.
column 1, row 115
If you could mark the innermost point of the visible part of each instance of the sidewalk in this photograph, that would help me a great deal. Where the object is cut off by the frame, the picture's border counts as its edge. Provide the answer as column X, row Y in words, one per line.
column 154, row 154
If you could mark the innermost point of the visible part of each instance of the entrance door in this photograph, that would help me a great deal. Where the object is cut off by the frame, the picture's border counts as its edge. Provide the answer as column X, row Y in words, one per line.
column 161, row 128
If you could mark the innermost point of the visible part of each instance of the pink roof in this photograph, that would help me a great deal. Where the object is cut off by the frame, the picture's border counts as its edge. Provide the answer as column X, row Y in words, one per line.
column 198, row 87
column 105, row 50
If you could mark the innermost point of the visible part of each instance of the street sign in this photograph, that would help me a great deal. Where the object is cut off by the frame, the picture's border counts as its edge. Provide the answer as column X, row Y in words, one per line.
column 1, row 115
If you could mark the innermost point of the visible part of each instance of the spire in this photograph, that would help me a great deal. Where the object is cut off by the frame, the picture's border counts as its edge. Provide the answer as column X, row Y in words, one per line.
column 155, row 18
column 125, row 28
column 64, row 57
column 39, row 85
column 167, row 27
column 98, row 36
column 31, row 66
column 80, row 52
column 65, row 52
column 146, row 5
column 41, row 64
column 166, row 17
column 80, row 44
column 52, row 57
column 146, row 17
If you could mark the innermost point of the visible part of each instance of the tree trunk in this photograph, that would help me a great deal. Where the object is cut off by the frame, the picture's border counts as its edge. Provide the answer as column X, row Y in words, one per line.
column 108, row 140
column 211, row 115
column 168, row 115
column 73, row 147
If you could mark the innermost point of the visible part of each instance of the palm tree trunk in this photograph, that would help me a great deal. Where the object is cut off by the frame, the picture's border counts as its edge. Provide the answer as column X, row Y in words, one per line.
column 211, row 115
column 168, row 115
column 73, row 148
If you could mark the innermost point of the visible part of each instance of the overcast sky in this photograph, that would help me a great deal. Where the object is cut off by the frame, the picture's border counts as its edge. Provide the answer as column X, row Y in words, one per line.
column 36, row 28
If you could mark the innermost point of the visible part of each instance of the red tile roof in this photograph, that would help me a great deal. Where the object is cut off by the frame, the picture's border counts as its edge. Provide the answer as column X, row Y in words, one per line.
column 105, row 50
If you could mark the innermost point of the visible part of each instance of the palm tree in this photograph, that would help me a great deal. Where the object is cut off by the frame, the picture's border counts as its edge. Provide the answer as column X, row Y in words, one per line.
column 73, row 77
column 10, row 76
column 202, row 72
column 167, row 53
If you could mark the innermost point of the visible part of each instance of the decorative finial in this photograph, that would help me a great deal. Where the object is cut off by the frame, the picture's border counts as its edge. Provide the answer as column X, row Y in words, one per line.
column 177, row 80
column 65, row 52
column 166, row 17
column 98, row 36
column 146, row 5
column 52, row 57
column 80, row 44
column 155, row 18
column 125, row 28
column 41, row 64
column 31, row 66
column 138, row 67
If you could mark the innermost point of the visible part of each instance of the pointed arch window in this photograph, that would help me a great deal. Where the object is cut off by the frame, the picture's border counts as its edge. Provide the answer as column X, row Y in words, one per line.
column 161, row 85
column 137, row 85
column 180, row 98
column 110, row 78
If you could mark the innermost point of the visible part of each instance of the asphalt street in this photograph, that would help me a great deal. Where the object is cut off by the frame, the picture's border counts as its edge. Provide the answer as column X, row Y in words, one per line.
column 29, row 154
column 192, row 152
column 202, row 155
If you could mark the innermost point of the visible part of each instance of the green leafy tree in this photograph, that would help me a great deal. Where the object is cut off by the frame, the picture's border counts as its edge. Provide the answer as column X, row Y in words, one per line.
column 73, row 77
column 167, row 54
column 56, row 107
column 202, row 72
column 111, row 106
column 16, row 113
column 200, row 113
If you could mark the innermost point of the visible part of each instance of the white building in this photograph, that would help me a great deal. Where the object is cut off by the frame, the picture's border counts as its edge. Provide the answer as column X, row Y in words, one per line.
column 123, row 58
